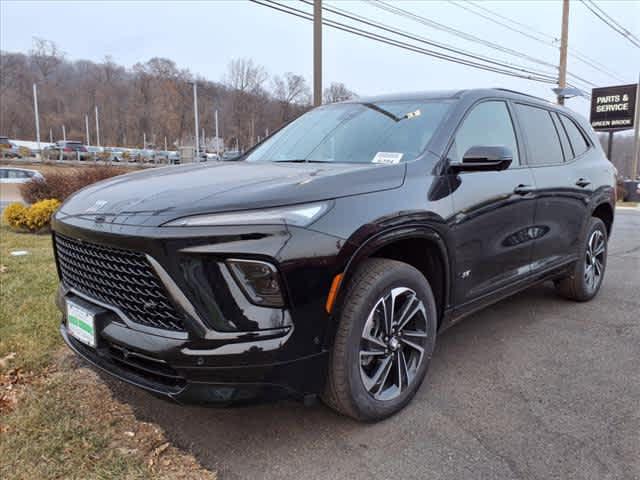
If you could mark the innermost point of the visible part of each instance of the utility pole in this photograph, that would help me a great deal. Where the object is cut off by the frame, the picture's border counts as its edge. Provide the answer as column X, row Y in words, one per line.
column 317, row 52
column 97, row 128
column 86, row 127
column 636, row 136
column 144, row 140
column 564, row 40
column 35, row 110
column 195, row 113
column 64, row 133
column 165, row 144
column 50, row 136
column 217, row 134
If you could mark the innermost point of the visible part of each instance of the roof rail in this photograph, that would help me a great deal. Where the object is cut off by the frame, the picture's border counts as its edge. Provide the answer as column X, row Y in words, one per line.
column 522, row 93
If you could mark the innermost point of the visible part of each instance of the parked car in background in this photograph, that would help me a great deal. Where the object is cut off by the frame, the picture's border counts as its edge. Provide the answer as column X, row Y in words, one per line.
column 209, row 157
column 8, row 149
column 69, row 150
column 18, row 175
column 174, row 157
column 327, row 260
column 230, row 155
column 116, row 154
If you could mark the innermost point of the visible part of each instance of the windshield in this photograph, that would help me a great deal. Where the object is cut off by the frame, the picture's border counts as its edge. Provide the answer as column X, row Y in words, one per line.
column 385, row 132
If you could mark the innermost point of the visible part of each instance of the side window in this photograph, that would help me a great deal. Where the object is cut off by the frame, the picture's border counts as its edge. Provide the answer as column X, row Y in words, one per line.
column 4, row 173
column 489, row 123
column 576, row 137
column 542, row 137
column 564, row 139
column 16, row 174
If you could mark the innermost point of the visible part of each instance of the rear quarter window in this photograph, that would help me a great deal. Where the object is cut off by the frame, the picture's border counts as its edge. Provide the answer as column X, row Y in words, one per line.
column 578, row 143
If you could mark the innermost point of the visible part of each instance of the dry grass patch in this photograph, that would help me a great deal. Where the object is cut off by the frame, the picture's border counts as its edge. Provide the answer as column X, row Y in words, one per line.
column 57, row 418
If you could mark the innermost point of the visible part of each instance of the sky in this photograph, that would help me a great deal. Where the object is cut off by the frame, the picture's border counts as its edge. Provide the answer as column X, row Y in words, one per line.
column 204, row 36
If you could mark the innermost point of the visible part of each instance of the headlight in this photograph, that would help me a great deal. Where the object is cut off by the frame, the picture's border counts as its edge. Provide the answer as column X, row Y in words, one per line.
column 258, row 280
column 297, row 215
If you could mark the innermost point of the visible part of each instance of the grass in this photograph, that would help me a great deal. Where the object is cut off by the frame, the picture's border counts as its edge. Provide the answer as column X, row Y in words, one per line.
column 29, row 318
column 58, row 420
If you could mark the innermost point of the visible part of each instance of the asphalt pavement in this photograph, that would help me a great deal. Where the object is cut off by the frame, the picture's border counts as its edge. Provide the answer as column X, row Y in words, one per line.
column 534, row 387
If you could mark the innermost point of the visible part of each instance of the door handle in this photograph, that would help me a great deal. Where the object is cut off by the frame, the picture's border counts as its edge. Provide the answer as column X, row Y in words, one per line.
column 524, row 189
column 582, row 182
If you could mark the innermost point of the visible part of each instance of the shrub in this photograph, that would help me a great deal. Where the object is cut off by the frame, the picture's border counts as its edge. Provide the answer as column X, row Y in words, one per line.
column 39, row 214
column 24, row 152
column 15, row 215
column 60, row 185
column 33, row 218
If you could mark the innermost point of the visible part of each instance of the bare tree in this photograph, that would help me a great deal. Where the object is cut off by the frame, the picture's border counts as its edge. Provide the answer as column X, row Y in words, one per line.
column 244, row 76
column 338, row 92
column 46, row 55
column 290, row 90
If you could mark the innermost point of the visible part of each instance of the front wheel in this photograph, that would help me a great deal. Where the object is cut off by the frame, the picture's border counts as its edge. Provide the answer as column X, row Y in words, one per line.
column 384, row 341
column 584, row 281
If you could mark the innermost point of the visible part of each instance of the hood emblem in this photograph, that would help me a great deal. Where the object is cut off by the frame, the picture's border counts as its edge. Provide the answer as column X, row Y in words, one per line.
column 98, row 205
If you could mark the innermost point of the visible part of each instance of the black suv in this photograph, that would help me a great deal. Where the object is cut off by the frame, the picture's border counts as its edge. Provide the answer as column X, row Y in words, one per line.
column 327, row 259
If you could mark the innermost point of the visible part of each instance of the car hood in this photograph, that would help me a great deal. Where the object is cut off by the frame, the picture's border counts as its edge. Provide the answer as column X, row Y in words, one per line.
column 154, row 196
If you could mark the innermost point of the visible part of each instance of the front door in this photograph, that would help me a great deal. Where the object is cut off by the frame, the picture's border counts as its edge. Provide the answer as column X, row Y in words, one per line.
column 494, row 211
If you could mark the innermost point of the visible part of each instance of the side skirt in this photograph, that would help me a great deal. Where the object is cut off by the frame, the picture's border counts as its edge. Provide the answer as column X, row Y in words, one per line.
column 455, row 314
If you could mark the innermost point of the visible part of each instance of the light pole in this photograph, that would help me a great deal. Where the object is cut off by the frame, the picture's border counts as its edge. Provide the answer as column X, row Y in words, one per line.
column 35, row 110
column 86, row 127
column 564, row 40
column 317, row 52
column 64, row 133
column 195, row 113
column 97, row 128
column 217, row 135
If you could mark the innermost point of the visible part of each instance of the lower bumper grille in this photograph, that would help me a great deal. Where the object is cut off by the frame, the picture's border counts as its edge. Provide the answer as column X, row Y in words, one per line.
column 117, row 277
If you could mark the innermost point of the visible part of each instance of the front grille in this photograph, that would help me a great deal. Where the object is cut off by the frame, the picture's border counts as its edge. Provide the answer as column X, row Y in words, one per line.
column 117, row 277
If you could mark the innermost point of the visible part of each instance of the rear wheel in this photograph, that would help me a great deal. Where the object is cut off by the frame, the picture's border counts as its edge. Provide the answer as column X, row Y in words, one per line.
column 384, row 341
column 584, row 282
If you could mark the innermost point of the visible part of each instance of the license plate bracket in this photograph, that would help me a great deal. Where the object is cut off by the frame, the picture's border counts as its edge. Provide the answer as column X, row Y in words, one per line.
column 81, row 323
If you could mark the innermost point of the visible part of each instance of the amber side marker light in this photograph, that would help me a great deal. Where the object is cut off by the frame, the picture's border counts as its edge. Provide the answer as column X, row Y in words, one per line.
column 333, row 292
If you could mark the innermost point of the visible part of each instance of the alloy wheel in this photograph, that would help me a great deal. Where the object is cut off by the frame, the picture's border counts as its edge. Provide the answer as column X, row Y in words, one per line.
column 594, row 259
column 392, row 345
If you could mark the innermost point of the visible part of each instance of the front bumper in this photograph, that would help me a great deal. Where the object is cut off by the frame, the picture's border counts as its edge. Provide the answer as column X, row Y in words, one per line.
column 210, row 386
column 204, row 364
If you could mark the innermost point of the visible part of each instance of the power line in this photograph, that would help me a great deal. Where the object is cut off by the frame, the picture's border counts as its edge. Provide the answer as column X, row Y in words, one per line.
column 467, row 36
column 608, row 20
column 534, row 76
column 403, row 33
column 536, row 36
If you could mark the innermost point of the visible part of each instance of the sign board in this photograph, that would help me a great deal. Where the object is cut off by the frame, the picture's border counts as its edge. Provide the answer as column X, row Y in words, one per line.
column 613, row 108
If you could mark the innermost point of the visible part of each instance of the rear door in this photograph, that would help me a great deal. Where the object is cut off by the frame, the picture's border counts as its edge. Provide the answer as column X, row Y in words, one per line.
column 561, row 191
column 493, row 210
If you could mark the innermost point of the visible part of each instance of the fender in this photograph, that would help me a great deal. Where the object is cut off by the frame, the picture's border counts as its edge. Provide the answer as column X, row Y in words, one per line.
column 391, row 235
column 603, row 195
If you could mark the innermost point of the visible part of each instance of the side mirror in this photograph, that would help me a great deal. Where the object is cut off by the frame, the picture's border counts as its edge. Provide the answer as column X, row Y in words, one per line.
column 484, row 158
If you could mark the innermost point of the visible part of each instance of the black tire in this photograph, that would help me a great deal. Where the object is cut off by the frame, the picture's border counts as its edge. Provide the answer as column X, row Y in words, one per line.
column 374, row 281
column 579, row 284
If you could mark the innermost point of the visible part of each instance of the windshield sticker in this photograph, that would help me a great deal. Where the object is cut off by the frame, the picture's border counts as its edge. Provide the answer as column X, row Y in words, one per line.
column 389, row 158
column 411, row 115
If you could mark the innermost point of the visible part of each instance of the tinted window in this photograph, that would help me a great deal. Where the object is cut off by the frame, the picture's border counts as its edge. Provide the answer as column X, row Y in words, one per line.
column 542, row 137
column 16, row 174
column 3, row 174
column 355, row 133
column 564, row 140
column 576, row 138
column 488, row 124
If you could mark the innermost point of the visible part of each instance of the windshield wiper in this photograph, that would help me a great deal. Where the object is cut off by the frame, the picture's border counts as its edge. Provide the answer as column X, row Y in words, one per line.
column 302, row 160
